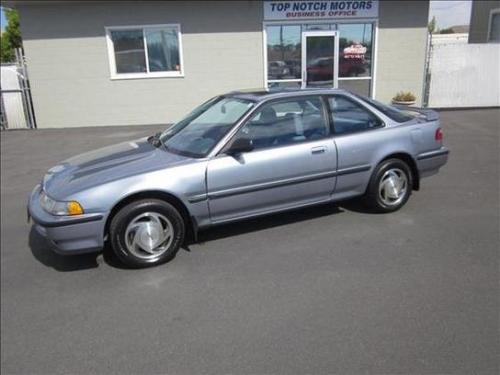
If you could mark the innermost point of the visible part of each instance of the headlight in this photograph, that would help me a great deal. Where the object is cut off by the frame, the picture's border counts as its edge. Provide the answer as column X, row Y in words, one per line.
column 59, row 208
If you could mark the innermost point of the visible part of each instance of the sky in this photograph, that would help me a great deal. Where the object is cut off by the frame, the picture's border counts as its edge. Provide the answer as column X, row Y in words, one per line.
column 447, row 12
column 450, row 13
column 3, row 21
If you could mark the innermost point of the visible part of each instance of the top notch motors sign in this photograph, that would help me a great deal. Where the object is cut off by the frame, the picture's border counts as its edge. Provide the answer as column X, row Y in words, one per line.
column 299, row 10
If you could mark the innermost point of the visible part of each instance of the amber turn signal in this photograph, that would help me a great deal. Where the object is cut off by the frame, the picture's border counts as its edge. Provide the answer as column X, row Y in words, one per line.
column 74, row 208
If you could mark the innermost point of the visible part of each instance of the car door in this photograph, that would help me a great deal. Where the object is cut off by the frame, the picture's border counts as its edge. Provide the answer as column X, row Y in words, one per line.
column 293, row 162
column 359, row 134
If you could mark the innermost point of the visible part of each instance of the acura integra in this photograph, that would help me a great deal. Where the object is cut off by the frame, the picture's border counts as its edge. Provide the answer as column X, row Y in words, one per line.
column 237, row 156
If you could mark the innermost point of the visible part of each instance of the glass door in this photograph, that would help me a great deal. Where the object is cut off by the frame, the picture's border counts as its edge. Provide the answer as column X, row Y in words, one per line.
column 320, row 59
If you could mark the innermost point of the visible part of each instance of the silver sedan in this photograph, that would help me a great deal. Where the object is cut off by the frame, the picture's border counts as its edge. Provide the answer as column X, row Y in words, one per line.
column 237, row 156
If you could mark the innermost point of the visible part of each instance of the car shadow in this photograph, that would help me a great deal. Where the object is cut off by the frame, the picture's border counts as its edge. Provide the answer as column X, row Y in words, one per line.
column 357, row 205
column 42, row 251
column 266, row 222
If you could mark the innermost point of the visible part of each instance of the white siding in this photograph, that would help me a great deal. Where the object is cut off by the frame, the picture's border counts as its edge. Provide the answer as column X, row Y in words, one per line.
column 12, row 101
column 465, row 75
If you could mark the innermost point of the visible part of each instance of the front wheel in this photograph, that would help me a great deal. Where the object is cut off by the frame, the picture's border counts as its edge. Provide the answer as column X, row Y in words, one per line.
column 146, row 232
column 390, row 186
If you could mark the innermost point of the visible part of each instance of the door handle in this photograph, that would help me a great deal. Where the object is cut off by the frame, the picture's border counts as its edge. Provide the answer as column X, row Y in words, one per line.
column 318, row 150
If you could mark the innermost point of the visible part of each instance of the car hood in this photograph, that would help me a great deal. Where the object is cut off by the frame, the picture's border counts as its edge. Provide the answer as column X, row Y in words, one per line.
column 106, row 165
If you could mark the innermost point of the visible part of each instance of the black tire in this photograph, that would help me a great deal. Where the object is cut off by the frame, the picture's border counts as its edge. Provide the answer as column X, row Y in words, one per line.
column 127, row 214
column 373, row 197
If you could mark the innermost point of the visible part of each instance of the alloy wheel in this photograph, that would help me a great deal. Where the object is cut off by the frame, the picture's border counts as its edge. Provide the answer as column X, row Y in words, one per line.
column 149, row 235
column 393, row 186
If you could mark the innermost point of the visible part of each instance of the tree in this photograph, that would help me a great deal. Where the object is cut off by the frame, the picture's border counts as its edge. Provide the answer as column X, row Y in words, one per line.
column 11, row 37
column 432, row 26
column 6, row 53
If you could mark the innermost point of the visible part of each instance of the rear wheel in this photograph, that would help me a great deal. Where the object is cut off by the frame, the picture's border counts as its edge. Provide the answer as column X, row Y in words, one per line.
column 390, row 186
column 146, row 233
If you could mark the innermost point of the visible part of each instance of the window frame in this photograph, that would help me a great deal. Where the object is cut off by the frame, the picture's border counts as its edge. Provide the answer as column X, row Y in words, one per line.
column 359, row 103
column 248, row 118
column 490, row 21
column 111, row 53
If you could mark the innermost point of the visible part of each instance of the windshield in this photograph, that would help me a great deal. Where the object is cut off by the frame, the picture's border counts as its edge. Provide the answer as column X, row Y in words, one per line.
column 391, row 112
column 203, row 128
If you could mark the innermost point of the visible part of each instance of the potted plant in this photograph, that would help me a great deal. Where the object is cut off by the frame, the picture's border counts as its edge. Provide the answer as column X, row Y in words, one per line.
column 404, row 98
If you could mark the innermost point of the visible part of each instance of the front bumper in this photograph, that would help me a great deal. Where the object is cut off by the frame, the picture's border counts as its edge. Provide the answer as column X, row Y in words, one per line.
column 67, row 234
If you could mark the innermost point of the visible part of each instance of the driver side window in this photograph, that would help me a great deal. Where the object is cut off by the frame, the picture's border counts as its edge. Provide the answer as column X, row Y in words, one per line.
column 286, row 122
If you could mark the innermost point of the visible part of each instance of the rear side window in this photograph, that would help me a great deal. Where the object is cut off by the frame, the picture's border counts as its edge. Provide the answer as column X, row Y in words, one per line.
column 391, row 112
column 349, row 116
column 286, row 122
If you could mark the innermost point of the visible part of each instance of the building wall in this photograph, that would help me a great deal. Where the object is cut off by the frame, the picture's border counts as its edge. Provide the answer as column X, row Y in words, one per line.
column 479, row 20
column 222, row 42
column 67, row 54
column 401, row 48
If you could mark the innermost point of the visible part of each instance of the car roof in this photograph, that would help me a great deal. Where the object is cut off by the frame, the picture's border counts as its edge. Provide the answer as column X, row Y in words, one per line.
column 259, row 95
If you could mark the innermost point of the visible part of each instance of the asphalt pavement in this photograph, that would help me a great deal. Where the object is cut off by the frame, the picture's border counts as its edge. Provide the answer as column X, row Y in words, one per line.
column 328, row 289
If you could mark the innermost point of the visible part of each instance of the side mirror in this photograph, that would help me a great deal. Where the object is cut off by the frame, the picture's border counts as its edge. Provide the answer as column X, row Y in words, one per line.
column 239, row 146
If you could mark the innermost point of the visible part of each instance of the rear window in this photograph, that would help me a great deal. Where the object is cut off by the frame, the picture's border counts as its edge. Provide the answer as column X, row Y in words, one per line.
column 391, row 112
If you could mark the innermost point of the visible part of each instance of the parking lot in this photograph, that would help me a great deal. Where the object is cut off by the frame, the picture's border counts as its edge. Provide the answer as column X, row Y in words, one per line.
column 329, row 289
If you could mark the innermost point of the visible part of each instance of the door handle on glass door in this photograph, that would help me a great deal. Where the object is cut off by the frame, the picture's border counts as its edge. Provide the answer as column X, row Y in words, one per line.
column 318, row 150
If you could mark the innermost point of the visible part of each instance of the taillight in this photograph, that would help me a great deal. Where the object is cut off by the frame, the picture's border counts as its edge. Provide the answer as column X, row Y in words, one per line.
column 439, row 135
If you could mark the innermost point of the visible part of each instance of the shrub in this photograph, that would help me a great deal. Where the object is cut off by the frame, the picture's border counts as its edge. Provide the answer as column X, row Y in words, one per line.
column 403, row 96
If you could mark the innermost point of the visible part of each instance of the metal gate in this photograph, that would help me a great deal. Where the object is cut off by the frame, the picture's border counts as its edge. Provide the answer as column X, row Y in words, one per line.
column 15, row 96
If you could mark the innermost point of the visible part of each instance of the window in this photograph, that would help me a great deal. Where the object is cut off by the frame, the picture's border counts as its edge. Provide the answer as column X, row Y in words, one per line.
column 355, row 50
column 355, row 54
column 318, row 27
column 494, row 26
column 391, row 112
column 203, row 128
column 286, row 122
column 349, row 116
column 145, row 51
column 285, row 85
column 283, row 53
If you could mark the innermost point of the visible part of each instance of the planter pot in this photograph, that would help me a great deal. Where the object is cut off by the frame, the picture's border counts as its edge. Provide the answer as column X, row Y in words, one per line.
column 403, row 103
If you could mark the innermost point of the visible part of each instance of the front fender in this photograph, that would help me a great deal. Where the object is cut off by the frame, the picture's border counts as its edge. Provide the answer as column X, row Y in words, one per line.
column 184, row 182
